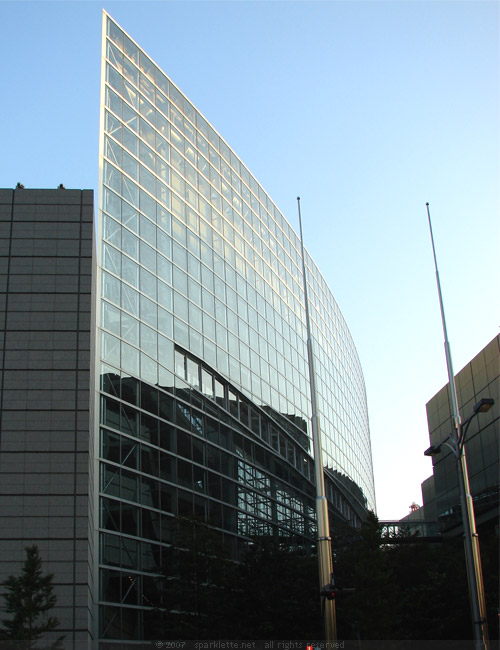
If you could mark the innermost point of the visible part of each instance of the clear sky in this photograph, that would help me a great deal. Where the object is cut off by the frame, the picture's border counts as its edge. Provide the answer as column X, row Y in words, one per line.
column 367, row 110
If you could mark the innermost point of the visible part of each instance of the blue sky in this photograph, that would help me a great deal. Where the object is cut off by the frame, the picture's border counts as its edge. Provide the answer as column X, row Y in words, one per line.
column 365, row 109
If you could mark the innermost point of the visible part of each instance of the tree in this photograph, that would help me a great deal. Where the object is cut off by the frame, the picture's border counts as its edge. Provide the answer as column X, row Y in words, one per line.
column 29, row 597
column 411, row 590
column 278, row 593
column 361, row 562
column 432, row 590
column 271, row 593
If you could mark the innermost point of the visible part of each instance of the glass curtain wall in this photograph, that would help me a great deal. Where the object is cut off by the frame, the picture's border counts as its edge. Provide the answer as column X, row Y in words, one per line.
column 203, row 393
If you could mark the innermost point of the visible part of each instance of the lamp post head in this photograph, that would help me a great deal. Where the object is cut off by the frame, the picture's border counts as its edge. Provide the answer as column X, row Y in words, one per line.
column 483, row 405
column 433, row 450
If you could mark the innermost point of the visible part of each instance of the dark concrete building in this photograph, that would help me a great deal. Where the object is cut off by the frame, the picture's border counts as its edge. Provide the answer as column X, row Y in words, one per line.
column 478, row 379
column 45, row 332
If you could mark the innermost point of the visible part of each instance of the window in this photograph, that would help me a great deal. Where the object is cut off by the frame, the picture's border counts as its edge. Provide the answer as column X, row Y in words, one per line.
column 207, row 383
column 180, row 364
column 192, row 372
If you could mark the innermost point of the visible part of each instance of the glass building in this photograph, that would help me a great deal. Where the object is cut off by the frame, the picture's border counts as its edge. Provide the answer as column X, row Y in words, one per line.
column 202, row 402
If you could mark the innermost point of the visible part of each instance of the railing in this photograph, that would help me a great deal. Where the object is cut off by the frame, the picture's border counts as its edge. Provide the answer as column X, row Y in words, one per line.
column 400, row 532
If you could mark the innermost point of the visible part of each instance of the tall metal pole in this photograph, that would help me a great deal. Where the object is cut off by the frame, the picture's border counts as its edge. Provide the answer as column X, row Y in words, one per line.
column 324, row 539
column 471, row 540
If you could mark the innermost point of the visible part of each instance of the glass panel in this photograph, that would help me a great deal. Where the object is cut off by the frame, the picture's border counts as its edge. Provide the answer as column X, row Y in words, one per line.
column 147, row 109
column 147, row 204
column 130, row 191
column 129, row 453
column 196, row 342
column 207, row 383
column 148, row 280
column 192, row 372
column 112, row 203
column 110, row 514
column 111, row 318
column 130, row 166
column 181, row 332
column 130, row 271
column 163, row 195
column 180, row 364
column 130, row 217
column 162, row 103
column 208, row 323
column 129, row 514
column 112, row 150
column 184, row 473
column 110, row 350
column 110, row 549
column 130, row 49
column 165, row 324
column 219, row 392
column 162, row 147
column 180, row 306
column 111, row 288
column 130, row 95
column 149, row 341
column 165, row 292
column 195, row 316
column 130, row 244
column 167, row 467
column 130, row 553
column 180, row 255
column 180, row 280
column 130, row 71
column 149, row 370
column 130, row 141
column 110, row 446
column 114, row 78
column 178, row 207
column 162, row 170
column 130, row 118
column 130, row 300
column 148, row 311
column 111, row 259
column 148, row 181
column 129, row 420
column 110, row 480
column 145, row 85
column 110, row 413
column 147, row 132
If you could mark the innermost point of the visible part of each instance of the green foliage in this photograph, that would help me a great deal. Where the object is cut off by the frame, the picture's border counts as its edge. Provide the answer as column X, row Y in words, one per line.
column 432, row 590
column 272, row 593
column 409, row 591
column 278, row 594
column 28, row 598
column 362, row 563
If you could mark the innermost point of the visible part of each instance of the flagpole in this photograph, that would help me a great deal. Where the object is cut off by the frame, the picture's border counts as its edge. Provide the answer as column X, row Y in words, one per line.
column 324, row 539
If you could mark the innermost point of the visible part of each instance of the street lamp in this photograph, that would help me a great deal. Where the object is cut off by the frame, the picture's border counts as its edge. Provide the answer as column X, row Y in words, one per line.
column 455, row 442
column 483, row 406
column 324, row 539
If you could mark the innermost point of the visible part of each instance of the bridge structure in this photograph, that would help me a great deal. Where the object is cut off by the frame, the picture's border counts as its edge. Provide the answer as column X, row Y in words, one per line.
column 410, row 532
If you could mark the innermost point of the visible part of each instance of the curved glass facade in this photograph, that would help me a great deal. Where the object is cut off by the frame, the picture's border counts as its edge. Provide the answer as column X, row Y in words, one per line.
column 204, row 390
